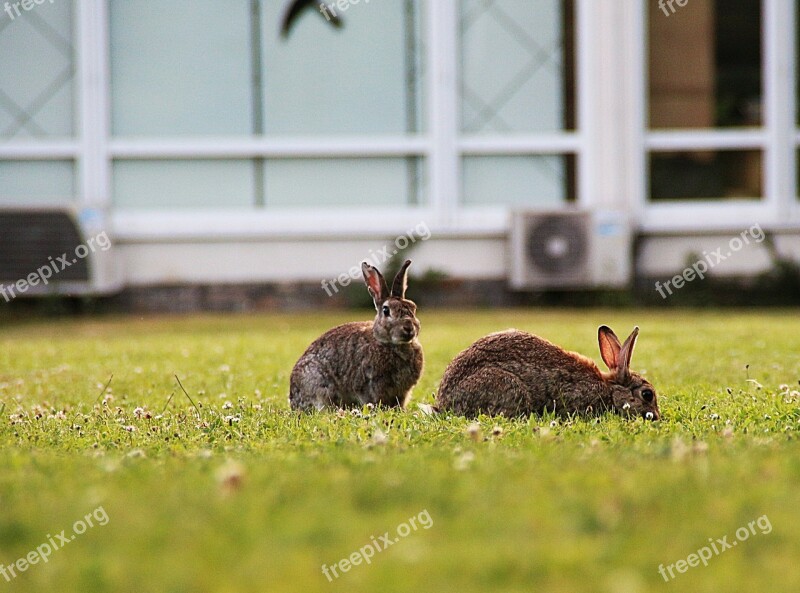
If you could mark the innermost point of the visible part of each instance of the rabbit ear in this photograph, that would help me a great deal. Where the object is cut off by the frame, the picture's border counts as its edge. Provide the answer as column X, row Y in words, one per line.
column 609, row 346
column 401, row 281
column 625, row 353
column 375, row 284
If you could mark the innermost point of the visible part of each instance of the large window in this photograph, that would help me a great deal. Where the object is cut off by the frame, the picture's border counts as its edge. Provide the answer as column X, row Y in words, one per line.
column 182, row 75
column 451, row 110
column 37, row 102
column 706, row 100
column 516, row 81
column 153, row 106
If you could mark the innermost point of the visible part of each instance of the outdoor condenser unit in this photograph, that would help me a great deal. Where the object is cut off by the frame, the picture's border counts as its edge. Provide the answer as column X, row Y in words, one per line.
column 570, row 250
column 59, row 250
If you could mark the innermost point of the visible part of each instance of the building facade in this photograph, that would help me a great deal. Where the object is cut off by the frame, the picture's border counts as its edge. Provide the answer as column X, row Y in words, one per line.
column 218, row 151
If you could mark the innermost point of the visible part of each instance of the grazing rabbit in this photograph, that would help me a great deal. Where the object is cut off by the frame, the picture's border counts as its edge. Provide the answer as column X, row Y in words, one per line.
column 363, row 362
column 516, row 374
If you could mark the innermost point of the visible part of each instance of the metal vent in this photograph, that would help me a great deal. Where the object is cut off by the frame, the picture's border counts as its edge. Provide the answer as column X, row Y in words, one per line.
column 30, row 240
column 569, row 249
column 557, row 245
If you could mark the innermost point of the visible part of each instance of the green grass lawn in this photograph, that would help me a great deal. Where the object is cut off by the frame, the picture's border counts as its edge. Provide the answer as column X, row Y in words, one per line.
column 252, row 497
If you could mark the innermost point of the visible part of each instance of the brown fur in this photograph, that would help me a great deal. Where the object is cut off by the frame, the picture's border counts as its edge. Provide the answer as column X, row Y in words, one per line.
column 514, row 373
column 365, row 362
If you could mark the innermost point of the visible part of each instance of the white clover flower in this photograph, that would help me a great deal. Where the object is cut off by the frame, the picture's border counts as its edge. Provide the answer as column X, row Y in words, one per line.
column 379, row 437
column 463, row 461
column 230, row 476
column 474, row 431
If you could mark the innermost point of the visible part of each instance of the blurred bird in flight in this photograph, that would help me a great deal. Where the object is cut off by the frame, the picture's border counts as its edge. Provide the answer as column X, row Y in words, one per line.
column 296, row 8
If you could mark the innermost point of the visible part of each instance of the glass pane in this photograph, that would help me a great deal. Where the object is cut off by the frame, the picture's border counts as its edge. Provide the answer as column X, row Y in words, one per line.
column 343, row 182
column 180, row 68
column 36, row 182
column 183, row 184
column 705, row 64
column 36, row 70
column 517, row 65
column 535, row 181
column 362, row 79
column 706, row 174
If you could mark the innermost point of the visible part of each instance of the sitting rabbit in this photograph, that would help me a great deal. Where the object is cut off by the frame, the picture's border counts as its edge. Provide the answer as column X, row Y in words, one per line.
column 363, row 362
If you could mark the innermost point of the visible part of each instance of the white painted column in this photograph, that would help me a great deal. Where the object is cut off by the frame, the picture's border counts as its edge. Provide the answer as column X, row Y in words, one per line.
column 780, row 184
column 91, row 24
column 443, row 120
column 611, row 103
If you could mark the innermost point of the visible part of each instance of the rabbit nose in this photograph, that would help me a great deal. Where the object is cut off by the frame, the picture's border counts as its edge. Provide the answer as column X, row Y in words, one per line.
column 408, row 327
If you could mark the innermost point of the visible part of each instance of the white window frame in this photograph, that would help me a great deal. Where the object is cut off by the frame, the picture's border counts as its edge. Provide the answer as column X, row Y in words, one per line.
column 64, row 149
column 442, row 147
column 776, row 140
column 610, row 142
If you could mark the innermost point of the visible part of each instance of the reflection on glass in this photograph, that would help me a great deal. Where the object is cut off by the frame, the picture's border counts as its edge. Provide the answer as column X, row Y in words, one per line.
column 195, row 67
column 705, row 65
column 517, row 71
column 343, row 182
column 37, row 70
column 706, row 174
column 180, row 68
column 151, row 184
column 362, row 79
column 37, row 182
column 537, row 181
column 288, row 183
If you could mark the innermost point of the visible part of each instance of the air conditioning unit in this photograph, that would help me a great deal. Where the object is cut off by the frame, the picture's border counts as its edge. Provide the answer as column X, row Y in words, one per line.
column 570, row 250
column 56, row 250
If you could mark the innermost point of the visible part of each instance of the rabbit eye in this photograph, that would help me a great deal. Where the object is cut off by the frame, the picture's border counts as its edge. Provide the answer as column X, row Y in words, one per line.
column 648, row 395
column 386, row 310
